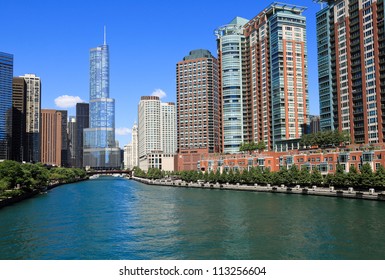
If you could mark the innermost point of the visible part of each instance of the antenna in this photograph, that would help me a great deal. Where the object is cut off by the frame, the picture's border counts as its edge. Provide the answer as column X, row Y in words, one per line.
column 105, row 36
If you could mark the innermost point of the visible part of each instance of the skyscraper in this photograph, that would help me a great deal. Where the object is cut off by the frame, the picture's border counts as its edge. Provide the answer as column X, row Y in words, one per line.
column 19, row 134
column 64, row 138
column 236, row 123
column 148, row 128
column 168, row 127
column 6, row 76
column 151, row 130
column 134, row 133
column 33, row 117
column 351, row 68
column 263, row 70
column 72, row 141
column 127, row 149
column 82, row 122
column 198, row 108
column 51, row 137
column 100, row 151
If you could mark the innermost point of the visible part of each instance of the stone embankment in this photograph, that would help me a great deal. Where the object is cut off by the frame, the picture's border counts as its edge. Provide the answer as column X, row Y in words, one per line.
column 350, row 193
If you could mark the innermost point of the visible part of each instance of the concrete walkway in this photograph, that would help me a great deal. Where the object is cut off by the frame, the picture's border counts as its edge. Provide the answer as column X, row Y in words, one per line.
column 351, row 193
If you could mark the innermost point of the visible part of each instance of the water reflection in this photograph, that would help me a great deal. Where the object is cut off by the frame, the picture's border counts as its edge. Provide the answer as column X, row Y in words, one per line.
column 112, row 218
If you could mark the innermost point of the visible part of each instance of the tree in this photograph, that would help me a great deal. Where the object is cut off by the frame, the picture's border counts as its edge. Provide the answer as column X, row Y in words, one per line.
column 325, row 138
column 211, row 177
column 316, row 177
column 339, row 179
column 246, row 177
column 237, row 177
column 352, row 180
column 293, row 175
column 261, row 146
column 304, row 177
column 281, row 177
column 379, row 177
column 248, row 147
column 367, row 177
column 11, row 171
column 266, row 176
column 230, row 176
column 217, row 176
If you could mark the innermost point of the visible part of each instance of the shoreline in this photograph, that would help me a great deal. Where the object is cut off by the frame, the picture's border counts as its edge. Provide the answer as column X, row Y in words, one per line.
column 24, row 196
column 317, row 191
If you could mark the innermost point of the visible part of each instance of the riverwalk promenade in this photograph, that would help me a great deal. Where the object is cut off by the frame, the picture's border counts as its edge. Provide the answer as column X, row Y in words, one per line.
column 319, row 191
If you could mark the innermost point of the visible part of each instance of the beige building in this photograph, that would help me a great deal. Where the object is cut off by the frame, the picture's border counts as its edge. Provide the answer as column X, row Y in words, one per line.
column 157, row 121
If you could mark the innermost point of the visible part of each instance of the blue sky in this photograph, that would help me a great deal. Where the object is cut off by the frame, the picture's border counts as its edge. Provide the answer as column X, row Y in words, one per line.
column 52, row 39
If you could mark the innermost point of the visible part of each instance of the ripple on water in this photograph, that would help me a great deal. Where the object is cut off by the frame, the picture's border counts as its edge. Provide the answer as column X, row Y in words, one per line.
column 112, row 218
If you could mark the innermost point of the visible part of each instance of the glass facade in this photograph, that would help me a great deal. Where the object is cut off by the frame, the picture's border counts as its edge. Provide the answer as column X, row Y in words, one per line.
column 100, row 151
column 231, row 42
column 82, row 122
column 288, row 56
column 6, row 76
column 325, row 70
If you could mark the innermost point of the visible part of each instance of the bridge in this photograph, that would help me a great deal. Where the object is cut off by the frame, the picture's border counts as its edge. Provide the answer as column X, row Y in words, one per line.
column 108, row 172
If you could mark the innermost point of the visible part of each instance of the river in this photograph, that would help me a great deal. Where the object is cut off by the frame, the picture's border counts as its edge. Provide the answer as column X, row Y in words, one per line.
column 116, row 218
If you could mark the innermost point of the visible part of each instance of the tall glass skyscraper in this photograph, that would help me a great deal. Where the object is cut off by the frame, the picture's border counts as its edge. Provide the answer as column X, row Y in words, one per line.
column 231, row 43
column 6, row 76
column 263, row 76
column 100, row 151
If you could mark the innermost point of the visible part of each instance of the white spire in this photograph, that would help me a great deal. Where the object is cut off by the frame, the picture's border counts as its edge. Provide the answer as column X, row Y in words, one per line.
column 105, row 36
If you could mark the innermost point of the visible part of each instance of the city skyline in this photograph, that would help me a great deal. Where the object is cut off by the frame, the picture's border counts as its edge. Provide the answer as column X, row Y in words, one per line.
column 59, row 48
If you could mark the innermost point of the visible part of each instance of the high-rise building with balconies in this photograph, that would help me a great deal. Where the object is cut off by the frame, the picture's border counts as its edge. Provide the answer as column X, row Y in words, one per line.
column 351, row 68
column 263, row 74
column 33, row 117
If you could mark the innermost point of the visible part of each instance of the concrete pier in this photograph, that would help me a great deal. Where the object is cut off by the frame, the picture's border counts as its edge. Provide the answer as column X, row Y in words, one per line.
column 330, row 191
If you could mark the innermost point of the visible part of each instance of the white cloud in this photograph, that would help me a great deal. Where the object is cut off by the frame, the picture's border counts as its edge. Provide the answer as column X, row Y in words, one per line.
column 67, row 101
column 160, row 93
column 122, row 131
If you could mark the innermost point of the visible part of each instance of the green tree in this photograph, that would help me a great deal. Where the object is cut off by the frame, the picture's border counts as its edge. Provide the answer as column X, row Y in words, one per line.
column 237, row 177
column 329, row 179
column 248, row 147
column 316, row 177
column 266, row 177
column 281, row 177
column 206, row 177
column 261, row 146
column 223, row 179
column 367, row 176
column 211, row 177
column 339, row 179
column 304, row 177
column 217, row 177
column 230, row 176
column 246, row 177
column 11, row 171
column 379, row 177
column 292, row 176
column 353, row 178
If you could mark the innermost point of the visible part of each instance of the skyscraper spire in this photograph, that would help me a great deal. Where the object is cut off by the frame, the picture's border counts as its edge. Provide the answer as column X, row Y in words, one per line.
column 105, row 36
